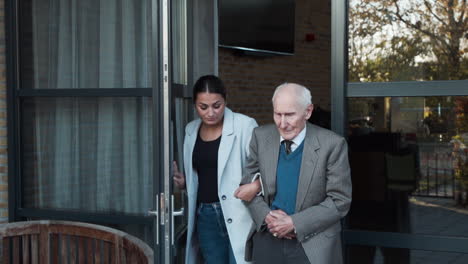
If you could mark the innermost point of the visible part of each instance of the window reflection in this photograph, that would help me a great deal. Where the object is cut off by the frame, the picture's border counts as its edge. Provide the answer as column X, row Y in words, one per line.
column 404, row 40
column 409, row 157
column 409, row 164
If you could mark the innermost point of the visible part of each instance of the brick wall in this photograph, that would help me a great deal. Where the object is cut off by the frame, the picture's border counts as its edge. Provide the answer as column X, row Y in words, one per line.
column 3, row 128
column 251, row 80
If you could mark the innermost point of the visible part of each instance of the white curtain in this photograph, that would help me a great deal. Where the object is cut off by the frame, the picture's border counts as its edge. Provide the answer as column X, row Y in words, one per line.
column 91, row 43
column 90, row 153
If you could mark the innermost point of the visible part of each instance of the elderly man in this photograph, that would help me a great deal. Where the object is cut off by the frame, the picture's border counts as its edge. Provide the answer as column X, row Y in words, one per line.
column 306, row 188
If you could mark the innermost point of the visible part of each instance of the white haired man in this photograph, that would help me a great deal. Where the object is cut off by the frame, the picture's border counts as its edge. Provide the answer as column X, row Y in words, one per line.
column 306, row 181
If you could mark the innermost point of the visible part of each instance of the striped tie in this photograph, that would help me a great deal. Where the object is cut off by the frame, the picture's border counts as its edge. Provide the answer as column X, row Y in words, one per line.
column 287, row 145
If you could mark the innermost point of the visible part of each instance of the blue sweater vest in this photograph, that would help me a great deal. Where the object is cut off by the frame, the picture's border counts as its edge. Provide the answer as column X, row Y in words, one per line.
column 287, row 178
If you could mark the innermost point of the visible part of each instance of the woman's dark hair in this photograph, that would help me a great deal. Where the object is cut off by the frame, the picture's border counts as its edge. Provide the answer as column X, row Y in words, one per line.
column 210, row 84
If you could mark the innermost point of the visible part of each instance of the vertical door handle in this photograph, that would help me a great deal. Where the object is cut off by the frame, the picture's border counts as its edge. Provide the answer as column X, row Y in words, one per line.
column 156, row 214
column 173, row 214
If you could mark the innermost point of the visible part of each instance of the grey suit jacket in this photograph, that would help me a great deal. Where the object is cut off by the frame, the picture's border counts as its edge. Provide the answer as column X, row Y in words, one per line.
column 324, row 189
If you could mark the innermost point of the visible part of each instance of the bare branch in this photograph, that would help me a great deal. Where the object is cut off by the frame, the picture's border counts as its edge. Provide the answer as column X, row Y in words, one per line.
column 450, row 12
column 429, row 7
column 416, row 27
column 462, row 19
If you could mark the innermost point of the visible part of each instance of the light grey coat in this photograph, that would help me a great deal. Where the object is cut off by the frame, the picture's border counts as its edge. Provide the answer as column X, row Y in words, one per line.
column 324, row 189
column 232, row 156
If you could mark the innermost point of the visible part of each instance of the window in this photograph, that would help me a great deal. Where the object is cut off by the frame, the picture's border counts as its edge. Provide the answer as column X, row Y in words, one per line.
column 89, row 154
column 404, row 107
column 407, row 41
column 85, row 44
column 84, row 112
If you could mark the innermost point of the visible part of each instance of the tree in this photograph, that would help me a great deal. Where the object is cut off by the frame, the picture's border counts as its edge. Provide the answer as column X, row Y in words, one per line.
column 426, row 39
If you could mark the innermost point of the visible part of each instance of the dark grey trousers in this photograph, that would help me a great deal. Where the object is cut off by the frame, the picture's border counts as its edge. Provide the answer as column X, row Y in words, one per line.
column 268, row 249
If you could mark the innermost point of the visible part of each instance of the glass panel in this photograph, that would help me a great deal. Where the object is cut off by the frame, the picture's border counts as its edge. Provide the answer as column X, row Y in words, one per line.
column 85, row 44
column 379, row 255
column 405, row 40
column 88, row 154
column 181, row 116
column 179, row 41
column 409, row 164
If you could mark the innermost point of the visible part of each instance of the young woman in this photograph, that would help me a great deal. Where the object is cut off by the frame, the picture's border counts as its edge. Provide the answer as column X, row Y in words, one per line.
column 215, row 149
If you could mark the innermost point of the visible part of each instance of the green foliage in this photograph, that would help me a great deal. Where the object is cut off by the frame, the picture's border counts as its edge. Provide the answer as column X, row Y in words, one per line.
column 407, row 40
column 461, row 113
column 418, row 40
column 460, row 155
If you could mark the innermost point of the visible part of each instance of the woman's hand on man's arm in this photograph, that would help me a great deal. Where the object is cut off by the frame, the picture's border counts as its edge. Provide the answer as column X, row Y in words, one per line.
column 247, row 192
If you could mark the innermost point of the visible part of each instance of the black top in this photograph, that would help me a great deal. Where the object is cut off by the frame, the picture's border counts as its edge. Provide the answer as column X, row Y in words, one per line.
column 205, row 162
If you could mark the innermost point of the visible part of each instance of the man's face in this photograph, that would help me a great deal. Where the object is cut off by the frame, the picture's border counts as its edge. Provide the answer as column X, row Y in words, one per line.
column 289, row 115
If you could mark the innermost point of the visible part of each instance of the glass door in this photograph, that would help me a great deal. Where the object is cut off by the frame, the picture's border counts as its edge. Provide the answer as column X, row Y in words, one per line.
column 181, row 113
column 181, row 110
column 171, row 112
column 188, row 49
column 175, row 111
column 85, row 100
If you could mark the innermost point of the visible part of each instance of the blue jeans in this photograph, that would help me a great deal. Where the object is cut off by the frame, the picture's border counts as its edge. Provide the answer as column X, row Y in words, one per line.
column 212, row 235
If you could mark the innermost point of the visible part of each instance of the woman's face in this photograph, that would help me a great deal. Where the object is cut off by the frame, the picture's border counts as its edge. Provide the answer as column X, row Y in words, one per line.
column 210, row 108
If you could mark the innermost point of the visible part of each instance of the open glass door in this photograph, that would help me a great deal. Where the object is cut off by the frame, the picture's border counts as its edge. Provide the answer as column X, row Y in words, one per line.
column 174, row 112
column 180, row 109
column 188, row 50
column 98, row 103
column 85, row 100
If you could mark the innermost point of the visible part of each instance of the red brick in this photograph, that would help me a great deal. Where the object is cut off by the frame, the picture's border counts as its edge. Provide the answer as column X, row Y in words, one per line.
column 252, row 80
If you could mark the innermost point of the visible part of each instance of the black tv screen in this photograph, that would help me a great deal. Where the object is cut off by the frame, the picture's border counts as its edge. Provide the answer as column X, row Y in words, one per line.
column 257, row 25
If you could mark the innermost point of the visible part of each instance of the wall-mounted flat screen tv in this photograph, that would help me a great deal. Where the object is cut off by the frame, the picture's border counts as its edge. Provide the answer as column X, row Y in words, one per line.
column 264, row 26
